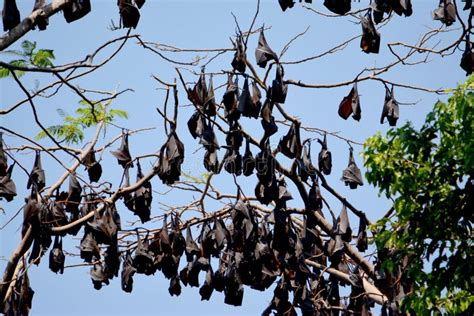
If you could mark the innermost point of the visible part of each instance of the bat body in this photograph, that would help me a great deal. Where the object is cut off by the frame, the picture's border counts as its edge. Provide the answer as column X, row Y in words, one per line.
column 350, row 104
column 10, row 15
column 76, row 9
column 263, row 52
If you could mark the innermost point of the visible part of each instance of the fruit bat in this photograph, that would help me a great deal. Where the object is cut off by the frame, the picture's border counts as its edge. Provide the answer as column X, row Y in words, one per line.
column 142, row 198
column 76, row 9
column 338, row 6
column 343, row 227
column 390, row 108
column 37, row 176
column 362, row 235
column 89, row 248
column 196, row 124
column 122, row 153
column 206, row 290
column 234, row 137
column 178, row 243
column 198, row 94
column 221, row 233
column 350, row 104
column 285, row 4
column 248, row 162
column 283, row 194
column 211, row 161
column 3, row 158
column 139, row 3
column 324, row 157
column 143, row 260
column 265, row 165
column 245, row 105
column 94, row 169
column 402, row 7
column 10, row 15
column 238, row 63
column 104, row 226
column 98, row 276
column 279, row 88
column 256, row 104
column 446, row 12
column 210, row 105
column 31, row 212
column 268, row 121
column 56, row 256
column 175, row 287
column 467, row 59
column 127, row 273
column 351, row 175
column 232, row 162
column 171, row 158
column 263, row 52
column 74, row 195
column 111, row 261
column 128, row 13
column 208, row 138
column 24, row 294
column 41, row 21
column 192, row 249
column 290, row 144
column 304, row 165
column 315, row 198
column 164, row 238
column 231, row 99
column 7, row 186
column 370, row 40
column 128, row 199
column 55, row 215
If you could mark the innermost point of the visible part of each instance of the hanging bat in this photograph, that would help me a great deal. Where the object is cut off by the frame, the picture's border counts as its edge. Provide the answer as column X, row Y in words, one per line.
column 338, row 6
column 263, row 52
column 129, row 14
column 370, row 41
column 122, row 153
column 351, row 175
column 350, row 104
column 446, row 12
column 279, row 88
column 390, row 108
column 10, row 15
column 290, row 144
column 37, row 176
column 76, row 9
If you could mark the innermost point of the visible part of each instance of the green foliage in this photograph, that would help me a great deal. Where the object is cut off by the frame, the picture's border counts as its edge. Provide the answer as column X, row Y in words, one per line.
column 42, row 58
column 71, row 131
column 429, row 174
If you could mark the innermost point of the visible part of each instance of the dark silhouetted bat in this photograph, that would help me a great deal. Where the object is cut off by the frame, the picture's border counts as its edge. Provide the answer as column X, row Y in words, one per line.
column 351, row 175
column 263, row 52
column 76, row 9
column 10, row 15
column 446, row 12
column 324, row 157
column 338, row 6
column 370, row 41
column 350, row 104
column 390, row 108
column 37, row 176
column 129, row 13
column 123, row 153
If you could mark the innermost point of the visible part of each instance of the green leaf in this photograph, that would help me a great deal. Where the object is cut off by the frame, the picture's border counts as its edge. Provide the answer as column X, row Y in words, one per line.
column 28, row 47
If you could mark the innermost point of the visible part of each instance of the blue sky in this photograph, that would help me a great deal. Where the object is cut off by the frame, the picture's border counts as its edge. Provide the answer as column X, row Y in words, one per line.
column 208, row 24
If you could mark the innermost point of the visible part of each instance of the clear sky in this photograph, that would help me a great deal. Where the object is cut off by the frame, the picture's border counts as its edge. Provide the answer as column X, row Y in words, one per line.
column 208, row 24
